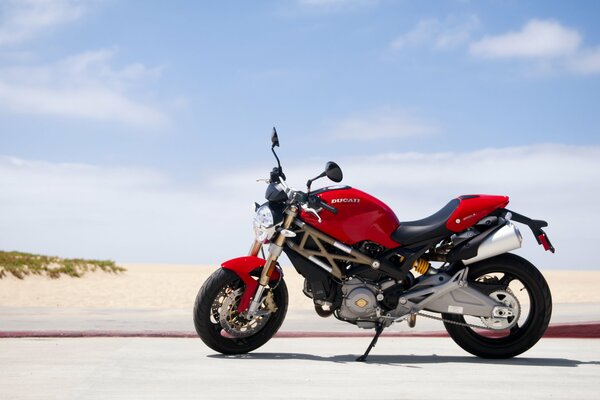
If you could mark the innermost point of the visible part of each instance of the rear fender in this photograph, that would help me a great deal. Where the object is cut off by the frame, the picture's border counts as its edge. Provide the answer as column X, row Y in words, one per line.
column 536, row 228
column 243, row 267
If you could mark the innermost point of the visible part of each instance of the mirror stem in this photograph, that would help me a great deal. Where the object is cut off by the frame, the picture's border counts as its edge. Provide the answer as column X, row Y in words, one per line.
column 310, row 181
column 277, row 158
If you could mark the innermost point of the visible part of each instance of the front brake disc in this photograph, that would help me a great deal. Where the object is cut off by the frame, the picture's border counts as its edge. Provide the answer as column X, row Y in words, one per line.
column 236, row 324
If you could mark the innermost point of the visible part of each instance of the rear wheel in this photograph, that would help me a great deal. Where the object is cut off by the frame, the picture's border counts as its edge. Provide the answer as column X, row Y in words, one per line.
column 219, row 324
column 518, row 284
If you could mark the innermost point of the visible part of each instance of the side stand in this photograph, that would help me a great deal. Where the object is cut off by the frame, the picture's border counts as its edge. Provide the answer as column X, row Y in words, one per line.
column 378, row 331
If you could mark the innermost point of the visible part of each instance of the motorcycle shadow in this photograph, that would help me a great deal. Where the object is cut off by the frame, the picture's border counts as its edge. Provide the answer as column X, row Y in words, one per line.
column 411, row 360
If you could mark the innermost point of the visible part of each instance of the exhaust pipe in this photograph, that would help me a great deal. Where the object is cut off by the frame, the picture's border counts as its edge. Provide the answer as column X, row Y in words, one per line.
column 503, row 240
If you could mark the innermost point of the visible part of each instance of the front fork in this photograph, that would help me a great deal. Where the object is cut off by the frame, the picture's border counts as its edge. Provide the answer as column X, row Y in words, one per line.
column 275, row 250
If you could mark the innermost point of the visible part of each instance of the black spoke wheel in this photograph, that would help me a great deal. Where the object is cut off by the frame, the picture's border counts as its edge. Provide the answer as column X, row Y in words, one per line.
column 516, row 279
column 219, row 324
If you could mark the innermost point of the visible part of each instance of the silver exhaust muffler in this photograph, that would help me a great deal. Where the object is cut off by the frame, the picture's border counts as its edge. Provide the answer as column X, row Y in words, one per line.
column 503, row 240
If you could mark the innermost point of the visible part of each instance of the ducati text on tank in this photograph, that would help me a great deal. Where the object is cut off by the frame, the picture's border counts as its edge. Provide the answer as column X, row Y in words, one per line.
column 333, row 201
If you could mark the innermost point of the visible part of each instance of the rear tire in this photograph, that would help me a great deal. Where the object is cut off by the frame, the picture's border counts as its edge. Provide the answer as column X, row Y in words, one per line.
column 234, row 335
column 523, row 335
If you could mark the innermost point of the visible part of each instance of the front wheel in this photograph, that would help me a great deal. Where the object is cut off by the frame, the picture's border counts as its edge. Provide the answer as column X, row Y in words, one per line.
column 518, row 284
column 219, row 324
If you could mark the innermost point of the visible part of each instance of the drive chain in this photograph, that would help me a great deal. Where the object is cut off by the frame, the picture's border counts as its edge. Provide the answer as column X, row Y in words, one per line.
column 454, row 322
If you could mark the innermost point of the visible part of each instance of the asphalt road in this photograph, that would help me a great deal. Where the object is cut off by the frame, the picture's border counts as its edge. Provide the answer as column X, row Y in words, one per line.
column 292, row 368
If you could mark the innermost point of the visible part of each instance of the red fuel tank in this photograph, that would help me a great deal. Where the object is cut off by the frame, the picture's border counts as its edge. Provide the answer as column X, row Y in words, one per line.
column 360, row 217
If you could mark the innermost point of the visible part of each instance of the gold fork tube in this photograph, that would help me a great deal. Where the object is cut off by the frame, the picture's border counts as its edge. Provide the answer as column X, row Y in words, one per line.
column 255, row 248
column 277, row 247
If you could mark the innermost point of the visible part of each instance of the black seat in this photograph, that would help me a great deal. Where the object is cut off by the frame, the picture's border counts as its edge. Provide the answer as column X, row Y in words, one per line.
column 432, row 227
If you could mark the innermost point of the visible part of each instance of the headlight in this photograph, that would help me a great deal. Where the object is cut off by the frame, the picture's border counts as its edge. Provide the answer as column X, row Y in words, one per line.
column 264, row 227
column 264, row 216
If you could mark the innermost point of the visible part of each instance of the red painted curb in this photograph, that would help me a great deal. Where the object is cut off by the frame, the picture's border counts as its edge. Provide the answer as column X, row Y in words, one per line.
column 92, row 334
column 585, row 330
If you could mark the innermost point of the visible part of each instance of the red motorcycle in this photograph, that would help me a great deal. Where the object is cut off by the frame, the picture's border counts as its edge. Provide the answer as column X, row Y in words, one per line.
column 364, row 267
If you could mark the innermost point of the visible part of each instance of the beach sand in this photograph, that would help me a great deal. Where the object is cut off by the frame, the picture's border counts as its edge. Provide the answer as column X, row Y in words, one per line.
column 161, row 286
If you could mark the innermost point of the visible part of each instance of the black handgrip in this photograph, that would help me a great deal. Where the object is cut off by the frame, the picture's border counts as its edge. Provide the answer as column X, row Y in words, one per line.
column 315, row 202
column 328, row 207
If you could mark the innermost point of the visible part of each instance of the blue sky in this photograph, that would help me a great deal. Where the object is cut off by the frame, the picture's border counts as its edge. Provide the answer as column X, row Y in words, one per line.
column 134, row 131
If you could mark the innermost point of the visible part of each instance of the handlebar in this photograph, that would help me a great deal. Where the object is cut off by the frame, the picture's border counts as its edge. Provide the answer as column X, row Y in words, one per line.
column 328, row 207
column 315, row 201
column 301, row 198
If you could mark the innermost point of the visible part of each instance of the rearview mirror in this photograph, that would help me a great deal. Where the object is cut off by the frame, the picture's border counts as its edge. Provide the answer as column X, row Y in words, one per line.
column 334, row 172
column 274, row 139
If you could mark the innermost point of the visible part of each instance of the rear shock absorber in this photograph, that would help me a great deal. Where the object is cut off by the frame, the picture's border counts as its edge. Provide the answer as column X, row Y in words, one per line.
column 421, row 266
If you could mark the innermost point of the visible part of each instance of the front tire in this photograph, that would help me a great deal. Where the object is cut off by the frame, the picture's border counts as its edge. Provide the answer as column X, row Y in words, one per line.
column 220, row 326
column 526, row 281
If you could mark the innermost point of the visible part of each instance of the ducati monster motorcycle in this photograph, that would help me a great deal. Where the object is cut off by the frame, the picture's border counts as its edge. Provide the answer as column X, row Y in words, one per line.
column 365, row 267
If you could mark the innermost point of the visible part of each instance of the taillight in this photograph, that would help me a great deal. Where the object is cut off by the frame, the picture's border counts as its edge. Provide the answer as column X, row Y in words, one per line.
column 543, row 240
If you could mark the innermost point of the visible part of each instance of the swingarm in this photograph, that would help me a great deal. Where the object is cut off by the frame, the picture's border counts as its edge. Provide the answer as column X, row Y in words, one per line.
column 449, row 294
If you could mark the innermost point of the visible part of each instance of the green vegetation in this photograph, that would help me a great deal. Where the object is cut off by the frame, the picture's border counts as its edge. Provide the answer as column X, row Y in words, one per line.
column 23, row 264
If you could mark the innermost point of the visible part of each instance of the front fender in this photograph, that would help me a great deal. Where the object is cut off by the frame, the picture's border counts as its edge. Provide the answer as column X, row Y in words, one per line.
column 243, row 267
column 245, row 264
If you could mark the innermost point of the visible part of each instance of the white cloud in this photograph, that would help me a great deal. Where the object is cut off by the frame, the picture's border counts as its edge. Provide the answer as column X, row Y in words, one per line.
column 586, row 62
column 127, row 213
column 422, row 33
column 135, row 214
column 24, row 19
column 454, row 35
column 379, row 124
column 537, row 39
column 441, row 35
column 556, row 183
column 85, row 85
column 552, row 47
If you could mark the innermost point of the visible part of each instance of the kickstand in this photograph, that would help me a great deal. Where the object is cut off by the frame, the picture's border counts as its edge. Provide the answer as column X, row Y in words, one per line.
column 378, row 331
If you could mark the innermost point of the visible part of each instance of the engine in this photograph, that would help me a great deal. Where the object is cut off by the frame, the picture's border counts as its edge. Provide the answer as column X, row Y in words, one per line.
column 359, row 301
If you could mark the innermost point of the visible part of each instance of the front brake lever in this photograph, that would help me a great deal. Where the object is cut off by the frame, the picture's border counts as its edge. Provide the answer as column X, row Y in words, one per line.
column 312, row 211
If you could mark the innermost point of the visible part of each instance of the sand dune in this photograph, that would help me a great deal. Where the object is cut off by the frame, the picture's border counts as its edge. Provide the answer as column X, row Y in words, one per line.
column 175, row 286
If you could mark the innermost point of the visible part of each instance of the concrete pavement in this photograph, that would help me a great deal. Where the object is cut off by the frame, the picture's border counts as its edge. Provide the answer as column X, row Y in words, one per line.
column 398, row 368
column 295, row 367
column 180, row 320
